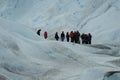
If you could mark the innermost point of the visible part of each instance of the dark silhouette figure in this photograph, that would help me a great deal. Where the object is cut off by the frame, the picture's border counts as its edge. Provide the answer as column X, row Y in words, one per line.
column 77, row 37
column 56, row 36
column 38, row 32
column 67, row 36
column 89, row 38
column 62, row 36
column 86, row 39
column 83, row 38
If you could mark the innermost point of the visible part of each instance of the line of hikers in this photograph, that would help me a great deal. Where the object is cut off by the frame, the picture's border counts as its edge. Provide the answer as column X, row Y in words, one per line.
column 75, row 37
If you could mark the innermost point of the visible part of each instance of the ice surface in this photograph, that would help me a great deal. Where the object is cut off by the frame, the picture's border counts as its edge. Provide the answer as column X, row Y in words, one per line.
column 26, row 56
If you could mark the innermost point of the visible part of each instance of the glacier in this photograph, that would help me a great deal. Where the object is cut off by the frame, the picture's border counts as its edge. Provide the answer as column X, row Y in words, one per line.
column 26, row 56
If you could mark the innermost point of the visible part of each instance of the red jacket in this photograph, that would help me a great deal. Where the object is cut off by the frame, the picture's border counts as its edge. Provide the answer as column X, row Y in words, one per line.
column 45, row 35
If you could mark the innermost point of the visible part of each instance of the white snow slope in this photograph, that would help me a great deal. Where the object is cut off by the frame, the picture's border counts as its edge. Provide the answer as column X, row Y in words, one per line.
column 99, row 17
column 26, row 56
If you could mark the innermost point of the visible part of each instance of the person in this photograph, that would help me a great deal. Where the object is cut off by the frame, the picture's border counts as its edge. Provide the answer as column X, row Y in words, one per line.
column 86, row 38
column 38, row 32
column 67, row 36
column 45, row 35
column 56, row 36
column 72, row 36
column 75, row 37
column 89, row 38
column 83, row 38
column 62, row 36
column 78, row 37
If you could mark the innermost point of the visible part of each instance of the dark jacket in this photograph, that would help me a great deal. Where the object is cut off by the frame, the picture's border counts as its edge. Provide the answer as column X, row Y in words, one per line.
column 56, row 36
